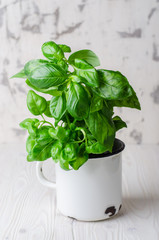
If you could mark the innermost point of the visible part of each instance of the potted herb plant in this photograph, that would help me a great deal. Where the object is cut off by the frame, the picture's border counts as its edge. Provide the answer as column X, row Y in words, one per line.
column 77, row 128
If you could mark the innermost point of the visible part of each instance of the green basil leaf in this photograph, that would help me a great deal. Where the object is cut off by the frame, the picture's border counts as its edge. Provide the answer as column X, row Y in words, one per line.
column 30, row 143
column 58, row 106
column 82, row 157
column 119, row 123
column 51, row 50
column 43, row 137
column 52, row 90
column 67, row 117
column 40, row 152
column 131, row 102
column 90, row 138
column 77, row 101
column 31, row 125
column 47, row 110
column 64, row 48
column 52, row 133
column 75, row 78
column 87, row 72
column 47, row 75
column 107, row 110
column 35, row 103
column 60, row 133
column 56, row 151
column 113, row 85
column 109, row 106
column 70, row 151
column 63, row 134
column 97, row 148
column 20, row 74
column 33, row 64
column 64, row 164
column 63, row 87
column 86, row 55
column 63, row 64
column 25, row 123
column 96, row 103
column 56, row 122
column 102, row 128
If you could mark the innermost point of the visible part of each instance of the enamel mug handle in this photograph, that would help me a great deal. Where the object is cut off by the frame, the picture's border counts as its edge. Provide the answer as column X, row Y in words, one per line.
column 42, row 179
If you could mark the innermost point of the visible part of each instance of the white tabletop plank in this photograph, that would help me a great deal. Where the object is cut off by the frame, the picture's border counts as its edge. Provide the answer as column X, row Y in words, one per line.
column 28, row 210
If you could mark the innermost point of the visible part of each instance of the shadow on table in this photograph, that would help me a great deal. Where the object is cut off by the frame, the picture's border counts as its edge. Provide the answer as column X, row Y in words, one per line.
column 140, row 206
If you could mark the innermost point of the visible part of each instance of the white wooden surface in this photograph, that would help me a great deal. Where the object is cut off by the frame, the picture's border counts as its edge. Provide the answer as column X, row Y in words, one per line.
column 28, row 210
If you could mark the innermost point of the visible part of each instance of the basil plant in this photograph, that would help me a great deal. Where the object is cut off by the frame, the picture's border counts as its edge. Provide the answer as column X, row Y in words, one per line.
column 80, row 109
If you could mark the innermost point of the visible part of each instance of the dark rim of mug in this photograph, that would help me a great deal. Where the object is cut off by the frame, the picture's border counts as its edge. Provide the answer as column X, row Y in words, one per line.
column 117, row 148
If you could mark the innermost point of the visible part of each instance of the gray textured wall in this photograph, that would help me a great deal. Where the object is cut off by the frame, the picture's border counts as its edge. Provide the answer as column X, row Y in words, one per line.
column 123, row 33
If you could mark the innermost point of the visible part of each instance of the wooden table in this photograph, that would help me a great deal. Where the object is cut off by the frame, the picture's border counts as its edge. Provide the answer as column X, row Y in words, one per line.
column 28, row 209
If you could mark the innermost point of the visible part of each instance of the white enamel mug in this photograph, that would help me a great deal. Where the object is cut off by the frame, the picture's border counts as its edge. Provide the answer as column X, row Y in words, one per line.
column 92, row 193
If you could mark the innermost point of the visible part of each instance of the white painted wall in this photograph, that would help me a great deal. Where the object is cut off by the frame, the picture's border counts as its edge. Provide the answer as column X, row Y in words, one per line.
column 123, row 33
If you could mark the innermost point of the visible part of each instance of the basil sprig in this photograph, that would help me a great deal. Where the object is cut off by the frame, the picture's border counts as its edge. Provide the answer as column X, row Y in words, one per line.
column 80, row 108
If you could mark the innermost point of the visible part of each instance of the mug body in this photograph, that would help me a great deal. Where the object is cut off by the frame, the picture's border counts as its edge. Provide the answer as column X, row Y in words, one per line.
column 92, row 193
